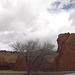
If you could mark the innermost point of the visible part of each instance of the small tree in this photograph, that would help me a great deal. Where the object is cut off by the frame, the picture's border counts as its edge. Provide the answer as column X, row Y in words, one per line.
column 33, row 52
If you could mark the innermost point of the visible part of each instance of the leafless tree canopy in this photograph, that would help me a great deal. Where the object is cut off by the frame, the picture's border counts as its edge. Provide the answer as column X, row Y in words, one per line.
column 33, row 51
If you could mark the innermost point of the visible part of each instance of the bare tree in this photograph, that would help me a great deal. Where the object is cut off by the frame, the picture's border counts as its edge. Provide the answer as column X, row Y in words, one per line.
column 33, row 52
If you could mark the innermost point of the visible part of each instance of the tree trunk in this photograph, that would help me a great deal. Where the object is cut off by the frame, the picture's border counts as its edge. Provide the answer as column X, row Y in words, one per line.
column 28, row 71
column 37, row 69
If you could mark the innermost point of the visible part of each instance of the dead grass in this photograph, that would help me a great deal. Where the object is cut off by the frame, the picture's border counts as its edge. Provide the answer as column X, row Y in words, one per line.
column 10, row 71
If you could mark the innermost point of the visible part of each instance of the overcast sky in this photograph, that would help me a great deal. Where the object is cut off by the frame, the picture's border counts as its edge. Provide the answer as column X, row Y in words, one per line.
column 30, row 19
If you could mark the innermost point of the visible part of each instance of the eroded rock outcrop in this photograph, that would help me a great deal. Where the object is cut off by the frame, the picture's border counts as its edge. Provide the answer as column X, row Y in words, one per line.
column 8, row 60
column 66, row 48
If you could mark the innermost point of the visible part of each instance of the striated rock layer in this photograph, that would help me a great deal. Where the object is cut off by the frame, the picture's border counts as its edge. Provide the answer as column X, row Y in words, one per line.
column 66, row 48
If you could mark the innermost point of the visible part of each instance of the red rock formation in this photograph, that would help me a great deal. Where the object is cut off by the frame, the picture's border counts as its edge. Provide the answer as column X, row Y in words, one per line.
column 20, row 65
column 44, row 66
column 7, row 60
column 66, row 48
column 12, row 61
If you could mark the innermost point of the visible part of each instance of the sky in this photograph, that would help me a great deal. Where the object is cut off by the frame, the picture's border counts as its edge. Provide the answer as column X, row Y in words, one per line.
column 35, row 19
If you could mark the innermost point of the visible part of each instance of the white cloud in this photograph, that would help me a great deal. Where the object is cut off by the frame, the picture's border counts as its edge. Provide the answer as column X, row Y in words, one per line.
column 25, row 19
column 63, row 4
column 72, row 17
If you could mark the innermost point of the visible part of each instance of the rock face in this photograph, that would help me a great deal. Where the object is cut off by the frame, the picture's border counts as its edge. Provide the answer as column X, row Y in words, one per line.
column 12, row 61
column 7, row 60
column 66, row 48
column 44, row 66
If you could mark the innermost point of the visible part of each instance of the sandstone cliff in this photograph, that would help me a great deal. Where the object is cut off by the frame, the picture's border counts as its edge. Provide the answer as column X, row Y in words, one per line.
column 7, row 60
column 66, row 48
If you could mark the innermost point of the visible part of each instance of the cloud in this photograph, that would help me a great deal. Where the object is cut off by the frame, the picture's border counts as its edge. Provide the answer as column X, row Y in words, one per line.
column 64, row 4
column 72, row 18
column 16, row 17
column 30, row 19
column 20, row 15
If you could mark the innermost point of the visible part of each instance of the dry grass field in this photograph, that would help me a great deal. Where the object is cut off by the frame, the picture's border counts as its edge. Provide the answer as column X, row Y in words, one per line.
column 10, row 71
